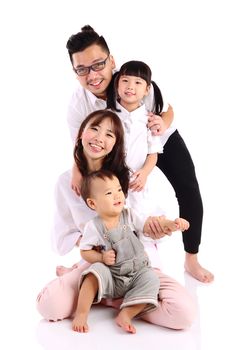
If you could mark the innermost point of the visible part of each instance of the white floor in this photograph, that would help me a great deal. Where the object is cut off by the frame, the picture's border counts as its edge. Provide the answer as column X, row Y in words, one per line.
column 211, row 329
column 22, row 326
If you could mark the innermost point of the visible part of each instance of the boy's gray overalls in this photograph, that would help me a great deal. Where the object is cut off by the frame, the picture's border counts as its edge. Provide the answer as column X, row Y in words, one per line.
column 131, row 277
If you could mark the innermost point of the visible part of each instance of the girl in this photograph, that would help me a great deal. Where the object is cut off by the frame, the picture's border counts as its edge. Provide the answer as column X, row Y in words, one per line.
column 125, row 95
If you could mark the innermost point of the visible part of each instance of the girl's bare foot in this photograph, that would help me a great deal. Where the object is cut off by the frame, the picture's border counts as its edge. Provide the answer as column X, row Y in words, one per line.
column 62, row 270
column 124, row 321
column 79, row 323
column 193, row 267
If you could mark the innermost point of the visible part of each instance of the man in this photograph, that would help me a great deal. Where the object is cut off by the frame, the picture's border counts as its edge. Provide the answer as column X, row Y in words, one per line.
column 93, row 64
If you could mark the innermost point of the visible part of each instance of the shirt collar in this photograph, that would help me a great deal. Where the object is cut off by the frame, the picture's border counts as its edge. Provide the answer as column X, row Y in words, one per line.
column 95, row 101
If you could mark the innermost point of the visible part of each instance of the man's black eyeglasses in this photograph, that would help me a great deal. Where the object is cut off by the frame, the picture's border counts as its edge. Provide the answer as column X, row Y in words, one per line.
column 81, row 71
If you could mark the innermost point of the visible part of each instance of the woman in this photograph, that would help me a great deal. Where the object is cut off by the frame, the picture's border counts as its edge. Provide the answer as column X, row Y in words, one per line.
column 100, row 145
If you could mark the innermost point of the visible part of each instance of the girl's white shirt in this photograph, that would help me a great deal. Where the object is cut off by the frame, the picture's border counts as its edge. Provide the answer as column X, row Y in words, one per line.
column 83, row 102
column 71, row 212
column 139, row 141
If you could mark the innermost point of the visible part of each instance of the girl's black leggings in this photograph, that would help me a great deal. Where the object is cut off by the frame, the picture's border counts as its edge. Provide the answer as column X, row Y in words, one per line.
column 177, row 165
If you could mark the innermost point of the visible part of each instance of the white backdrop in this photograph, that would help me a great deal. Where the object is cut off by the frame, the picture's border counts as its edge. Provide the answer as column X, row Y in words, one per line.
column 188, row 46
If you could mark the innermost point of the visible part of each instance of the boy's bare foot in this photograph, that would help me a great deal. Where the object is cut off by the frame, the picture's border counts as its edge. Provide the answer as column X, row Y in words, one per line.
column 193, row 267
column 124, row 321
column 79, row 323
column 62, row 270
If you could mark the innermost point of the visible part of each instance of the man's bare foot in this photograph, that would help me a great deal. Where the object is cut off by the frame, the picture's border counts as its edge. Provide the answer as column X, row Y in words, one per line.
column 124, row 321
column 62, row 270
column 79, row 323
column 193, row 267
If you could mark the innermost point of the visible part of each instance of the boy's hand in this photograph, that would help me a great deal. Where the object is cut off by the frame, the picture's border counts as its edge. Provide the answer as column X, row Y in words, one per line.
column 183, row 224
column 109, row 257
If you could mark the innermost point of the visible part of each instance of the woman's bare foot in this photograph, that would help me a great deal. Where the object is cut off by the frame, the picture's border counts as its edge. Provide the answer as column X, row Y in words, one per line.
column 62, row 270
column 193, row 267
column 124, row 321
column 79, row 323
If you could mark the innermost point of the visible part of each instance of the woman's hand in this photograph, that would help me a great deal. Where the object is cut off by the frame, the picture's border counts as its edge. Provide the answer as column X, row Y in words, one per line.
column 76, row 180
column 157, row 227
column 154, row 227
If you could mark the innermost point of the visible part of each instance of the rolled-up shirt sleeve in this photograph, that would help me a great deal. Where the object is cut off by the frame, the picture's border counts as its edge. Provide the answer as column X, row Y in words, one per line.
column 91, row 237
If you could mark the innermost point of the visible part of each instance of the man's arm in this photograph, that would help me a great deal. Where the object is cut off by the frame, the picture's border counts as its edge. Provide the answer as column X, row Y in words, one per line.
column 158, row 124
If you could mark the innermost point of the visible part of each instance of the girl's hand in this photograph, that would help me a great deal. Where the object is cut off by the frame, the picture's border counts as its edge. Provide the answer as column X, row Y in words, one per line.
column 139, row 179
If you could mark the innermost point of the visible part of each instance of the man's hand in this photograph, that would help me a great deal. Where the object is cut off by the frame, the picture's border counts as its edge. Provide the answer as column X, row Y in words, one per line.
column 156, row 124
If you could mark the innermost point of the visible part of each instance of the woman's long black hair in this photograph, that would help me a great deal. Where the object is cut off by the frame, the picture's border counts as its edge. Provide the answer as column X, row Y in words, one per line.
column 115, row 160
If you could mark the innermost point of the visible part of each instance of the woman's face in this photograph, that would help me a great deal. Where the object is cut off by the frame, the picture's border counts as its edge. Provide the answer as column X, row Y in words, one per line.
column 98, row 140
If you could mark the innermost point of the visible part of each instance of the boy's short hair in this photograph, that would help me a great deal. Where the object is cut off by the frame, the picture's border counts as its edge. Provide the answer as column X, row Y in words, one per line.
column 88, row 180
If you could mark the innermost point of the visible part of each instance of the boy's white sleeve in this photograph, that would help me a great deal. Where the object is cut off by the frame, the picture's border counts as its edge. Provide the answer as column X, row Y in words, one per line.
column 91, row 237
